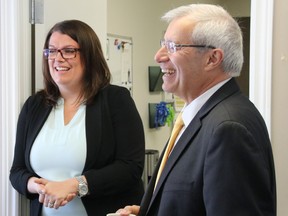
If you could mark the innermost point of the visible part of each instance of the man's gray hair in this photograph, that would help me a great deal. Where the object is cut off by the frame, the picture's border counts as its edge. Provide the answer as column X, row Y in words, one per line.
column 214, row 26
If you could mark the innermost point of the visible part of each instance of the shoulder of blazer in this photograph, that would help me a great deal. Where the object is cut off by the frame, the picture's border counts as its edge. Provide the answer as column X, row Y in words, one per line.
column 227, row 90
column 113, row 90
column 36, row 107
column 109, row 95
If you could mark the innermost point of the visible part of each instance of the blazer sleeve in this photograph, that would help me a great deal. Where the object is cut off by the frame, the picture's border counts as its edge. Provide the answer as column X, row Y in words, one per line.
column 121, row 152
column 238, row 177
column 19, row 172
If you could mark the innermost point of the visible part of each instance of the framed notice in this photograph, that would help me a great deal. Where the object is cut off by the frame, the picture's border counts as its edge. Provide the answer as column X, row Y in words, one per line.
column 119, row 60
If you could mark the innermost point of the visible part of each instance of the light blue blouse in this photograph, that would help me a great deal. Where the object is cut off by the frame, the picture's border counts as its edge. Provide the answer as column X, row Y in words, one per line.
column 59, row 153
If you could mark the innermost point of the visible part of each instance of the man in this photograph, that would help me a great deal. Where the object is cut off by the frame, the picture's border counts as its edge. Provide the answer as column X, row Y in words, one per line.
column 222, row 162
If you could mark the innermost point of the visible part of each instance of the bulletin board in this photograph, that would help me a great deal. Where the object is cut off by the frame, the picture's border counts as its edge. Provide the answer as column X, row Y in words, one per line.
column 119, row 59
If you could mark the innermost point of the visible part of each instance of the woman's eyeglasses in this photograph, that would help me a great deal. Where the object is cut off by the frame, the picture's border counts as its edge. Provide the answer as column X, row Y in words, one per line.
column 66, row 53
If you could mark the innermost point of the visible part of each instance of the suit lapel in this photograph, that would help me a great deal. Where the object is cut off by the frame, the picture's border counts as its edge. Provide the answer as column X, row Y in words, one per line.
column 183, row 142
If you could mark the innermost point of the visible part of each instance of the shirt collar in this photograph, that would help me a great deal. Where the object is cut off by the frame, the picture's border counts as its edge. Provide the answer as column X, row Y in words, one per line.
column 190, row 110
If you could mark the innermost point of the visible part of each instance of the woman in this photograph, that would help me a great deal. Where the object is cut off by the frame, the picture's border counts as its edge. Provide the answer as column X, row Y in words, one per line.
column 80, row 141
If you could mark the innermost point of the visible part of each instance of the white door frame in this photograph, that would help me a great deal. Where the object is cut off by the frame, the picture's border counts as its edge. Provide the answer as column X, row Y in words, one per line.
column 261, row 57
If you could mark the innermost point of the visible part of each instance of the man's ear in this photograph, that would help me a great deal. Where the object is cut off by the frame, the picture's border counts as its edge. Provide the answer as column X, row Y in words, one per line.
column 215, row 58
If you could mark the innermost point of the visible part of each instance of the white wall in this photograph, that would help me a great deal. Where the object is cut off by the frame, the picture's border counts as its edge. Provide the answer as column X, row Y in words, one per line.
column 279, row 133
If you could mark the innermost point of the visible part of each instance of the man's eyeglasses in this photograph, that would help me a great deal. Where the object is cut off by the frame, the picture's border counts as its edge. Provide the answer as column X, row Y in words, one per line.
column 66, row 53
column 173, row 47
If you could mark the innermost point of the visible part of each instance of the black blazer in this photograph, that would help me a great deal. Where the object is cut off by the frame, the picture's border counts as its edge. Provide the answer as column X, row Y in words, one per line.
column 221, row 166
column 115, row 150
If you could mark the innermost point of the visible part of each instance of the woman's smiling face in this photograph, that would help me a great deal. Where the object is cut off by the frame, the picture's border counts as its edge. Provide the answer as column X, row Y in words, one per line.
column 66, row 73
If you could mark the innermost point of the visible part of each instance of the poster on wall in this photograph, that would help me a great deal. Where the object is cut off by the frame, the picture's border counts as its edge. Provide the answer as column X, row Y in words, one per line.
column 119, row 60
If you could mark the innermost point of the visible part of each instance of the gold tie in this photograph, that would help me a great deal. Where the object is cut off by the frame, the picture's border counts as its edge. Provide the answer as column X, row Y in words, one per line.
column 176, row 129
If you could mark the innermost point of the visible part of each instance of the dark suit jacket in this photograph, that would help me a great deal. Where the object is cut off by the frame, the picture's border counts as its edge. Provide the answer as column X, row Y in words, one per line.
column 221, row 166
column 115, row 151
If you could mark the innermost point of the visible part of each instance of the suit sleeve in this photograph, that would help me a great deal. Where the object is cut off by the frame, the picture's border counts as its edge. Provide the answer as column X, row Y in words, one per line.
column 237, row 175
